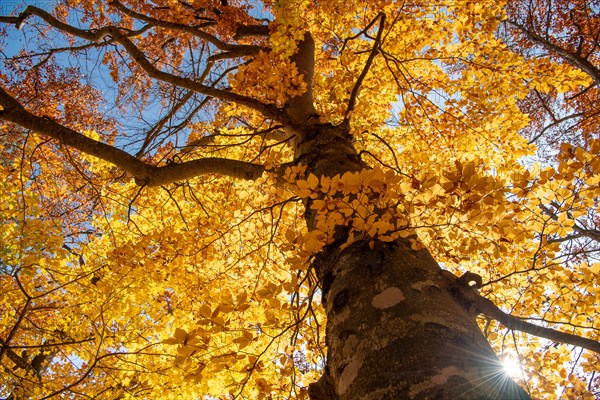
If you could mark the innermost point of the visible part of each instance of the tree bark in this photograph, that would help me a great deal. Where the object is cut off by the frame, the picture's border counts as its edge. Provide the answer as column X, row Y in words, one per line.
column 396, row 329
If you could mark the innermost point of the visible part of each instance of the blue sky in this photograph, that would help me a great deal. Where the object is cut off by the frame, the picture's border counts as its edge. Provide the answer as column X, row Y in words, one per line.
column 92, row 70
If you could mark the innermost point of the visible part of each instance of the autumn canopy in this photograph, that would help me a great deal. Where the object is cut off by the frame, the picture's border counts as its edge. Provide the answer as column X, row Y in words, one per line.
column 299, row 199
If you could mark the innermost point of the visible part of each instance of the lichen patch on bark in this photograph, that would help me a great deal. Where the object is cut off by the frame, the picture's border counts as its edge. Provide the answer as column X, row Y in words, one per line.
column 342, row 316
column 422, row 284
column 348, row 375
column 439, row 318
column 350, row 345
column 444, row 374
column 436, row 380
column 388, row 298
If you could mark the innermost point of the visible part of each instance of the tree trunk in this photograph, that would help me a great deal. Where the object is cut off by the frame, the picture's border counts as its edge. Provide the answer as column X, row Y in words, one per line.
column 397, row 330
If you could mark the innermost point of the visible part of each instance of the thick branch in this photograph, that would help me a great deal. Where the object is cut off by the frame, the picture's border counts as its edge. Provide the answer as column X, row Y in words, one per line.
column 93, row 35
column 97, row 35
column 251, row 31
column 590, row 233
column 489, row 309
column 144, row 174
column 573, row 59
column 9, row 20
column 211, row 165
column 301, row 108
column 19, row 361
column 239, row 50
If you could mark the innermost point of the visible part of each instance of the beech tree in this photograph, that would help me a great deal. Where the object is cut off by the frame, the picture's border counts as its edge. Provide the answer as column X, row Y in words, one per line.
column 300, row 199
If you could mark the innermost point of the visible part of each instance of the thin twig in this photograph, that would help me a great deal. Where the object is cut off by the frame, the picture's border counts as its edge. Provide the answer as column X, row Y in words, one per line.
column 363, row 74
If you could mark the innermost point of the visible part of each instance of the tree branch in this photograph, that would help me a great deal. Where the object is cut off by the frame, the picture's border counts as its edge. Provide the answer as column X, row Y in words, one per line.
column 9, row 20
column 19, row 361
column 228, row 55
column 593, row 234
column 573, row 59
column 267, row 110
column 155, row 130
column 96, row 35
column 144, row 174
column 556, row 122
column 251, row 31
column 363, row 74
column 301, row 108
column 488, row 308
column 210, row 165
column 238, row 50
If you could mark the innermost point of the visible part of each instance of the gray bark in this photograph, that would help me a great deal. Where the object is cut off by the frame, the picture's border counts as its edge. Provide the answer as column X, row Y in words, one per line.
column 396, row 329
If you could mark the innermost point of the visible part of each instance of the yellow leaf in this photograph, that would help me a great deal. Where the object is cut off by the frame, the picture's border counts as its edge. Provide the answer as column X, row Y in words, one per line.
column 180, row 334
column 204, row 311
column 313, row 181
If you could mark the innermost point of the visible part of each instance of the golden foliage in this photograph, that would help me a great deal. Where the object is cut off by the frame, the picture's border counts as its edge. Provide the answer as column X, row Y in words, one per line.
column 203, row 287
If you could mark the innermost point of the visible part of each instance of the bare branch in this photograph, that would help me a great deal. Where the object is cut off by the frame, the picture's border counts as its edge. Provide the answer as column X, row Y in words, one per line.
column 93, row 35
column 228, row 55
column 181, row 171
column 556, row 122
column 363, row 74
column 488, row 308
column 155, row 130
column 10, row 20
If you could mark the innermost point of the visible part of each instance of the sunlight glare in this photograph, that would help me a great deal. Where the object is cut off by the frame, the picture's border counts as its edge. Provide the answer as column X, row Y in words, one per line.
column 511, row 367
